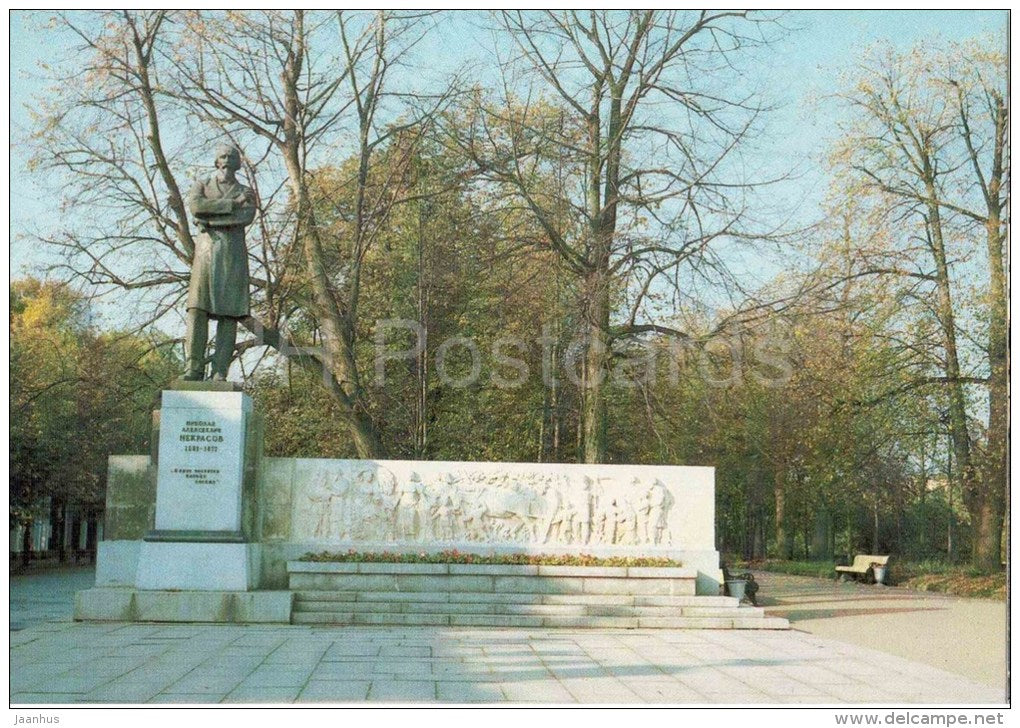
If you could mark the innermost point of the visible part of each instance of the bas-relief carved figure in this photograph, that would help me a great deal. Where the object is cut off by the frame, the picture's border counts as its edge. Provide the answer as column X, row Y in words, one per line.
column 351, row 505
column 372, row 504
column 218, row 289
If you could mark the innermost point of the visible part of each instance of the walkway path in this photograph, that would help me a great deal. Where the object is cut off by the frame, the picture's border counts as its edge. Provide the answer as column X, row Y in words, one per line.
column 963, row 636
column 46, row 593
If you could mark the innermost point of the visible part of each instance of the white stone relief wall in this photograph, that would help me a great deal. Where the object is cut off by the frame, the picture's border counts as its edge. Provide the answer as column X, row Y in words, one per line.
column 590, row 508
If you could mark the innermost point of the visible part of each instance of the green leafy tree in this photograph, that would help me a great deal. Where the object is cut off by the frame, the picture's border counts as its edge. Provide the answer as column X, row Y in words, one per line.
column 627, row 197
column 927, row 150
column 77, row 396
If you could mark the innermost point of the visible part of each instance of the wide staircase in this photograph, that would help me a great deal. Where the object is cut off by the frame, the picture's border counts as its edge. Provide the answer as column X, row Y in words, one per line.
column 485, row 595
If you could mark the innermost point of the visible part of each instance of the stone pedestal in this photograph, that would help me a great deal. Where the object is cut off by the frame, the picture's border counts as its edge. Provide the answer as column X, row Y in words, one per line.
column 196, row 565
column 203, row 529
column 204, row 487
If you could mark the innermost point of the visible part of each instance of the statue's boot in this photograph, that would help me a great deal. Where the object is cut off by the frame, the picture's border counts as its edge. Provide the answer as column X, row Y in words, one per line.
column 194, row 343
column 226, row 336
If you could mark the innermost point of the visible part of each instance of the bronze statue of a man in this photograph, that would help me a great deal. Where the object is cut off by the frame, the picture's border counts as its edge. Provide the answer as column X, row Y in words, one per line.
column 222, row 207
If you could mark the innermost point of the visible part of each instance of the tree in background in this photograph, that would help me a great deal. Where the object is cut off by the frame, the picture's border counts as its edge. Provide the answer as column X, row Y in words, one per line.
column 928, row 150
column 158, row 87
column 617, row 146
column 294, row 108
column 589, row 209
column 77, row 396
column 455, row 317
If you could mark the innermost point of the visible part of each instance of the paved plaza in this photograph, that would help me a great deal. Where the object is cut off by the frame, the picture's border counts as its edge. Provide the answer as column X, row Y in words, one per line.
column 54, row 660
column 146, row 663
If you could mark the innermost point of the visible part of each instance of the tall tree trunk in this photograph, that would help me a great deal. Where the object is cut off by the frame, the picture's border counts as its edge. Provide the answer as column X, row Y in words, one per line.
column 995, row 470
column 970, row 483
column 339, row 364
column 784, row 534
column 57, row 523
column 554, row 406
column 74, row 544
column 832, row 536
column 422, row 360
column 987, row 551
column 596, row 368
column 952, row 516
column 595, row 314
column 821, row 535
column 337, row 331
column 143, row 43
column 60, row 531
column 874, row 527
column 752, row 510
column 553, row 384
column 987, row 499
column 26, row 543
column 987, row 502
column 92, row 535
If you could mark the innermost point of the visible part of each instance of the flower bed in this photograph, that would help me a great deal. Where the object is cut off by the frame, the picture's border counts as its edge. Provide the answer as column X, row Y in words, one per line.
column 458, row 557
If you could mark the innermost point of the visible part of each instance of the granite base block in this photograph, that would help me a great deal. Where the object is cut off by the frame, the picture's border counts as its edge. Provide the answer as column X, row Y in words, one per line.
column 263, row 607
column 198, row 566
column 133, row 605
column 117, row 563
column 105, row 605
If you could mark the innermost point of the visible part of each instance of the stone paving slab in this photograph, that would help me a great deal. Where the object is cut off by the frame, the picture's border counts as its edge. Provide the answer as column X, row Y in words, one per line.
column 67, row 663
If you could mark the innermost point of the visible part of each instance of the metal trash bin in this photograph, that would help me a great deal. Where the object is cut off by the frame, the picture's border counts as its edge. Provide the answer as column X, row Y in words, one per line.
column 736, row 588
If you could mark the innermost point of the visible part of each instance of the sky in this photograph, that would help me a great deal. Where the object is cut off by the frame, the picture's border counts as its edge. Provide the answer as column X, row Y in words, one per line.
column 799, row 70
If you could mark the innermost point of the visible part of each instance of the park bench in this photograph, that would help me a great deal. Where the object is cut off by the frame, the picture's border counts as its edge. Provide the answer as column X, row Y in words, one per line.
column 861, row 567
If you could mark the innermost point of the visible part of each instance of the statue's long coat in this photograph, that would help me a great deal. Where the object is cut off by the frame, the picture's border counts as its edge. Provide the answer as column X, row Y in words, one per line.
column 219, row 270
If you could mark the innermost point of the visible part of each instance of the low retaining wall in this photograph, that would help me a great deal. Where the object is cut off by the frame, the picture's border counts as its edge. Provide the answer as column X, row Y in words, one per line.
column 489, row 508
column 313, row 505
column 496, row 595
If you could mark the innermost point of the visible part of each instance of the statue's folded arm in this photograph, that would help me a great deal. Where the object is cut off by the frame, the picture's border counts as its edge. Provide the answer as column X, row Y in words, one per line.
column 239, row 216
column 202, row 206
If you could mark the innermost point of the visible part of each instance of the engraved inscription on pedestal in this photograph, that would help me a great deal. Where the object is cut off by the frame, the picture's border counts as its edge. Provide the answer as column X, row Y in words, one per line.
column 201, row 461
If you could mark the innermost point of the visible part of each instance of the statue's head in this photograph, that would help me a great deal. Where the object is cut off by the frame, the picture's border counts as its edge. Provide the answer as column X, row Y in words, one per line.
column 228, row 156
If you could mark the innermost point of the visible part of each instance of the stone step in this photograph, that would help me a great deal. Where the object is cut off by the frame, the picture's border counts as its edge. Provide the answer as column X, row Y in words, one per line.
column 311, row 595
column 494, row 607
column 597, row 610
column 512, row 596
column 510, row 620
column 681, row 585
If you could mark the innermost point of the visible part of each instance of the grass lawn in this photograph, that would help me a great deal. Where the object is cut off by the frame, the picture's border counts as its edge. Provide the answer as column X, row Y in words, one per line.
column 934, row 576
